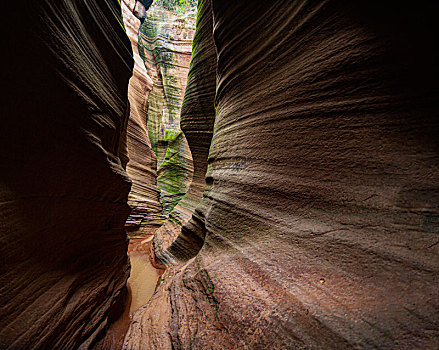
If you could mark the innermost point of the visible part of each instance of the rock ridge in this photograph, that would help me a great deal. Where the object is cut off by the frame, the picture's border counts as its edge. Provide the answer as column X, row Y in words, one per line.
column 318, row 221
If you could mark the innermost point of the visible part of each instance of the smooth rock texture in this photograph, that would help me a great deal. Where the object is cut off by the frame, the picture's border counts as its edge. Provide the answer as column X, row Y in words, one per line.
column 165, row 46
column 197, row 119
column 63, row 189
column 320, row 216
column 144, row 199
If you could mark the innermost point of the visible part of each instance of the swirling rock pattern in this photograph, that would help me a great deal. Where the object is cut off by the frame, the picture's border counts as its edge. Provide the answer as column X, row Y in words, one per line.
column 144, row 199
column 321, row 209
column 197, row 119
column 165, row 46
column 63, row 189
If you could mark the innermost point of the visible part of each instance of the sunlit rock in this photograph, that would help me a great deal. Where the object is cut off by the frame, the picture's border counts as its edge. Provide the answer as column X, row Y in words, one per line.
column 197, row 119
column 165, row 46
column 319, row 220
column 144, row 199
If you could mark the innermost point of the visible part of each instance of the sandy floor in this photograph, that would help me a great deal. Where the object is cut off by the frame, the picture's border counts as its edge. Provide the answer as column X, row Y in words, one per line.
column 143, row 278
column 141, row 286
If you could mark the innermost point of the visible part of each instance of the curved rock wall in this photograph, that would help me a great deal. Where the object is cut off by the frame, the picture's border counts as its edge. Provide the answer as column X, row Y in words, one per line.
column 144, row 199
column 197, row 119
column 160, row 159
column 165, row 46
column 63, row 189
column 321, row 209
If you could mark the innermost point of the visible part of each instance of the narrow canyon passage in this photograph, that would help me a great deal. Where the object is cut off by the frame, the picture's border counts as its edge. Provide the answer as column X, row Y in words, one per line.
column 141, row 284
column 144, row 277
column 159, row 158
column 181, row 174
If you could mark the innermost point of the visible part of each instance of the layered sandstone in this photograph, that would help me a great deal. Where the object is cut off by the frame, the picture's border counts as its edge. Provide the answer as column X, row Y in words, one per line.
column 144, row 199
column 63, row 189
column 165, row 46
column 197, row 119
column 160, row 159
column 319, row 220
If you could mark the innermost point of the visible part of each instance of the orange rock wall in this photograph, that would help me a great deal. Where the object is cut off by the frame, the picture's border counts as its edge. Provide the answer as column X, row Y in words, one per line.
column 319, row 219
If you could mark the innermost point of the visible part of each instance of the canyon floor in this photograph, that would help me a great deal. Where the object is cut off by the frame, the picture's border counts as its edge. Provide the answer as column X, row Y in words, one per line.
column 279, row 159
column 141, row 285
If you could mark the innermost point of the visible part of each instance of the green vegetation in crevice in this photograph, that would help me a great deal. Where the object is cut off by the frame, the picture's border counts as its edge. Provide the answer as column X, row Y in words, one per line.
column 209, row 289
column 173, row 177
column 174, row 162
column 176, row 4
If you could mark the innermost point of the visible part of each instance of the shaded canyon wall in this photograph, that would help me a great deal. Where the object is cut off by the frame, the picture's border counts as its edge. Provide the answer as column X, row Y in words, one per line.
column 63, row 188
column 144, row 198
column 318, row 224
column 160, row 159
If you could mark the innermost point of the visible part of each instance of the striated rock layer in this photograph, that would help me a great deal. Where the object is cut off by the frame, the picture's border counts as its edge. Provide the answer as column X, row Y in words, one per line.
column 165, row 45
column 197, row 119
column 144, row 199
column 63, row 189
column 320, row 216
column 160, row 159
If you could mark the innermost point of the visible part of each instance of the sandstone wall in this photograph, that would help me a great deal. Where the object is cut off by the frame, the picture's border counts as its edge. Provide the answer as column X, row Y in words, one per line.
column 63, row 189
column 165, row 46
column 160, row 159
column 321, row 209
column 144, row 199
column 197, row 119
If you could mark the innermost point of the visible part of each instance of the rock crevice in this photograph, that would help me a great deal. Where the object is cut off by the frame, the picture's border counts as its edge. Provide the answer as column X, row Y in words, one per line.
column 317, row 226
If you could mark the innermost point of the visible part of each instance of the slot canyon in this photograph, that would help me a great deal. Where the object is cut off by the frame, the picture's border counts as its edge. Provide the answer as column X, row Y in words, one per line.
column 182, row 174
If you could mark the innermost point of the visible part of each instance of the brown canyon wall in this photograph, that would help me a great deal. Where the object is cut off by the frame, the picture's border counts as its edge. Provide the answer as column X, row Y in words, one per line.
column 319, row 219
column 160, row 159
column 144, row 198
column 318, row 224
column 63, row 188
column 197, row 119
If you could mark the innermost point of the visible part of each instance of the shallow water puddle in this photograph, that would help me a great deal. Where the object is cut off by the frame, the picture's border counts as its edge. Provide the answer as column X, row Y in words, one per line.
column 143, row 279
column 141, row 286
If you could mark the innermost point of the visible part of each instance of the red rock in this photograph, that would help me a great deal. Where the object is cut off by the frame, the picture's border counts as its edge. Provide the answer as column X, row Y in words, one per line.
column 63, row 189
column 319, row 217
column 144, row 199
column 323, row 166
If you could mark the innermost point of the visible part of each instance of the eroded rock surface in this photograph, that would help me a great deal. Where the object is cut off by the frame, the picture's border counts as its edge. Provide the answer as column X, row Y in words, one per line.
column 63, row 189
column 197, row 119
column 321, row 210
column 165, row 46
column 144, row 199
column 160, row 159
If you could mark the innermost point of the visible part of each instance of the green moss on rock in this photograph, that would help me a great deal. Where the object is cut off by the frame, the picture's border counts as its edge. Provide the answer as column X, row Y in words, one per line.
column 165, row 47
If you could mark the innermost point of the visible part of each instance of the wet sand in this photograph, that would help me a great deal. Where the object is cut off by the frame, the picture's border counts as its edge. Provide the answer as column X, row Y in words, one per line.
column 141, row 286
column 144, row 276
